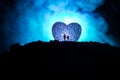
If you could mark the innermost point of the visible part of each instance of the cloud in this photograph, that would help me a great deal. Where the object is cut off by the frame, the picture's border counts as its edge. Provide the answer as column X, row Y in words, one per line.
column 32, row 20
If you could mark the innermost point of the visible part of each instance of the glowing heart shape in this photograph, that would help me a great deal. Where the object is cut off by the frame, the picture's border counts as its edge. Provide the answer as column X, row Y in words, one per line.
column 63, row 32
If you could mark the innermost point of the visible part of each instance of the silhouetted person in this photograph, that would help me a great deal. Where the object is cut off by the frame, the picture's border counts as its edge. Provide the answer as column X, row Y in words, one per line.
column 68, row 37
column 64, row 37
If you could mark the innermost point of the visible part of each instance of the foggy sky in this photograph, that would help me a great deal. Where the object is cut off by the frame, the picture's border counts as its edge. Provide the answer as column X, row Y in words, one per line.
column 23, row 21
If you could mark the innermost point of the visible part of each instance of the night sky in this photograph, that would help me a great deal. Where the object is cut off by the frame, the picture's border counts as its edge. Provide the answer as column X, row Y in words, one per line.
column 24, row 21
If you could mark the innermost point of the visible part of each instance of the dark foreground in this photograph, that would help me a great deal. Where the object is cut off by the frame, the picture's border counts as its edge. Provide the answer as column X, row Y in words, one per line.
column 57, row 56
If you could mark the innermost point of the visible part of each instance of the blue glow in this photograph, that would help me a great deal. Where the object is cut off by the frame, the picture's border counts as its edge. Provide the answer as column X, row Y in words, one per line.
column 93, row 26
column 89, row 5
column 35, row 19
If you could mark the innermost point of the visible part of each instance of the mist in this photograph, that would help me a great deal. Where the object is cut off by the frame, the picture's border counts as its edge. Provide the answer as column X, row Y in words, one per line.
column 32, row 20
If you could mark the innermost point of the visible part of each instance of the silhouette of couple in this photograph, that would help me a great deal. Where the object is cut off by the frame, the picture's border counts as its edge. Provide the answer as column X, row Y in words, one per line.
column 66, row 37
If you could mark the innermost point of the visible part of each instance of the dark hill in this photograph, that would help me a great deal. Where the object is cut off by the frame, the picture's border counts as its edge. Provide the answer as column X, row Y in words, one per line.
column 57, row 56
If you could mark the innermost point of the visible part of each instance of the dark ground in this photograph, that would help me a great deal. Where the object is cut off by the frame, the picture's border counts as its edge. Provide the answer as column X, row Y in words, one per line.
column 57, row 56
